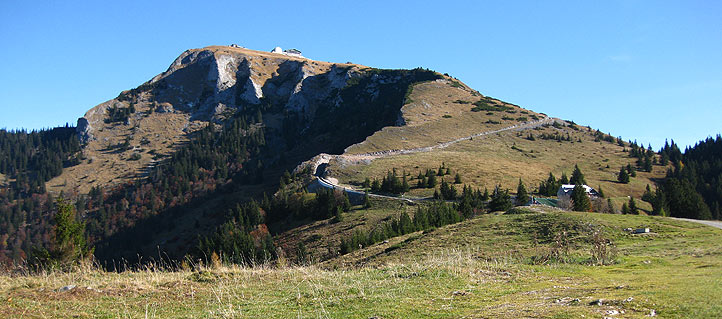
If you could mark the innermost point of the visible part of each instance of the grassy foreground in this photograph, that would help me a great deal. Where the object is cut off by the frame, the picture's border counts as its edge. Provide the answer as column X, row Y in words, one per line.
column 480, row 268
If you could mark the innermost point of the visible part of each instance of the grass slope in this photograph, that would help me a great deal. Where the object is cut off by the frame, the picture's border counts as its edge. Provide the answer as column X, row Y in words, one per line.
column 479, row 268
column 441, row 111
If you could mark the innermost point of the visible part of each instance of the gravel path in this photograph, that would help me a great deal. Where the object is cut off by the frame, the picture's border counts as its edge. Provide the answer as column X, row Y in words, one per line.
column 321, row 160
column 713, row 223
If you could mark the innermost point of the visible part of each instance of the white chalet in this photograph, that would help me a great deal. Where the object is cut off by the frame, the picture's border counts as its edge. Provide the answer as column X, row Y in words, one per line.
column 565, row 191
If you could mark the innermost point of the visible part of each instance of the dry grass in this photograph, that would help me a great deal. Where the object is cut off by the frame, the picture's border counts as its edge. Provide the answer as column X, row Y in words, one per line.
column 426, row 124
column 490, row 160
column 473, row 269
column 106, row 165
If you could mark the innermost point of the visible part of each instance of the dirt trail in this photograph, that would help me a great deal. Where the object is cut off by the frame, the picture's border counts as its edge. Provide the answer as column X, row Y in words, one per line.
column 321, row 159
column 713, row 223
column 379, row 154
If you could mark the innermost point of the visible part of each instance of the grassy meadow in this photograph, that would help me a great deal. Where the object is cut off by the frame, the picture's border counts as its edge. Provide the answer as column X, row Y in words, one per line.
column 491, row 266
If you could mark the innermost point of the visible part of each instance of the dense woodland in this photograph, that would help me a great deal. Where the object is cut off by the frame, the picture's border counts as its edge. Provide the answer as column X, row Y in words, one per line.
column 28, row 160
column 693, row 187
column 215, row 161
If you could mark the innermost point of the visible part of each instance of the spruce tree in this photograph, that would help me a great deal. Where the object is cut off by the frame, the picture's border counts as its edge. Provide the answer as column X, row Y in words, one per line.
column 610, row 206
column 564, row 180
column 69, row 236
column 580, row 199
column 647, row 164
column 522, row 197
column 431, row 181
column 485, row 196
column 457, row 179
column 623, row 176
column 625, row 208
column 500, row 200
column 405, row 185
column 577, row 176
column 633, row 206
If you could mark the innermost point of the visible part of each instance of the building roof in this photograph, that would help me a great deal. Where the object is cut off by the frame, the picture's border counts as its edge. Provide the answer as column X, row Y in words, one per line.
column 568, row 188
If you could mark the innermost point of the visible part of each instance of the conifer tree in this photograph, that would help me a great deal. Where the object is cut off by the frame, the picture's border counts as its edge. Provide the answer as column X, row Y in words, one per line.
column 625, row 208
column 580, row 199
column 564, row 180
column 632, row 171
column 633, row 206
column 431, row 181
column 623, row 177
column 68, row 236
column 405, row 185
column 648, row 196
column 647, row 165
column 577, row 176
column 457, row 179
column 500, row 200
column 522, row 197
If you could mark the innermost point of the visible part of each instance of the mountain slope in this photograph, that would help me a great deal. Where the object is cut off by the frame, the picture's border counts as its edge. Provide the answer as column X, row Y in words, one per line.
column 167, row 161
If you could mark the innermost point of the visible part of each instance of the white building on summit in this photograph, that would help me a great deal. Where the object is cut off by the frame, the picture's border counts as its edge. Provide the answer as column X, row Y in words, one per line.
column 289, row 52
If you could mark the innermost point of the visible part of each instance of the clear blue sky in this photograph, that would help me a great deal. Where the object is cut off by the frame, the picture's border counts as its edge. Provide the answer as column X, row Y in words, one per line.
column 645, row 70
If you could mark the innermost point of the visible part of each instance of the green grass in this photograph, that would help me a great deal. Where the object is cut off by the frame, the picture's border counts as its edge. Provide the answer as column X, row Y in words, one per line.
column 477, row 268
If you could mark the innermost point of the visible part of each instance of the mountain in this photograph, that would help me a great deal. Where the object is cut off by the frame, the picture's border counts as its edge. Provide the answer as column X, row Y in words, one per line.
column 227, row 139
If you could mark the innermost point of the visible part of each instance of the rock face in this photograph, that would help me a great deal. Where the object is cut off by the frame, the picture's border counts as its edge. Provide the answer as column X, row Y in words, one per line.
column 207, row 82
column 327, row 106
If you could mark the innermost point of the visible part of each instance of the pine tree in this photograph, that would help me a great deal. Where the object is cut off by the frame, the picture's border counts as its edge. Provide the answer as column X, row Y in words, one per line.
column 500, row 200
column 522, row 197
column 577, row 176
column 623, row 176
column 647, row 165
column 610, row 206
column 367, row 201
column 633, row 206
column 625, row 208
column 648, row 196
column 457, row 179
column 564, row 180
column 69, row 236
column 580, row 199
column 338, row 216
column 405, row 185
column 431, row 181
column 632, row 171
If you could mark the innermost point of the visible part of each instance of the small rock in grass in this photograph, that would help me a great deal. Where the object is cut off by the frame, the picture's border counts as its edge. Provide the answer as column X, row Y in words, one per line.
column 66, row 288
column 652, row 313
column 597, row 302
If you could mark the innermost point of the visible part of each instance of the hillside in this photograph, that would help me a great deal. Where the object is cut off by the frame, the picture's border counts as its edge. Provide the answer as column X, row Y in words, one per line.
column 208, row 191
column 482, row 268
column 167, row 165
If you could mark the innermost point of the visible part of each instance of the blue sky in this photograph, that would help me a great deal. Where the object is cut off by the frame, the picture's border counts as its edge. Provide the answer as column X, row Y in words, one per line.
column 645, row 70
